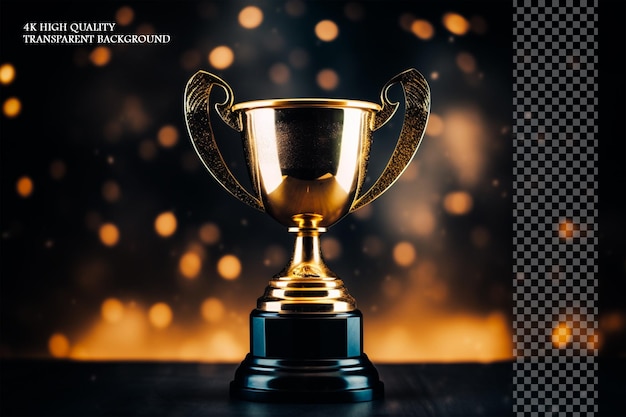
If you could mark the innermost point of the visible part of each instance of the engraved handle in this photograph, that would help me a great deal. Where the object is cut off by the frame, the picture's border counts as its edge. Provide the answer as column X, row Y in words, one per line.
column 417, row 108
column 198, row 121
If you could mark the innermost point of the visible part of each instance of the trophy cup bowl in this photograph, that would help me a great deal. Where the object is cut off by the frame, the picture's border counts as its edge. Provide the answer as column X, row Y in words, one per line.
column 307, row 160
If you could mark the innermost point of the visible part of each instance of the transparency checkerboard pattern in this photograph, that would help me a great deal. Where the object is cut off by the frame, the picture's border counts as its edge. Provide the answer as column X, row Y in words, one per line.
column 555, row 207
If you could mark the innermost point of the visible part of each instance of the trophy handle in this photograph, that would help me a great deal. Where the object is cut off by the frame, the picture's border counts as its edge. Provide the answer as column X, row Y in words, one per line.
column 417, row 108
column 198, row 121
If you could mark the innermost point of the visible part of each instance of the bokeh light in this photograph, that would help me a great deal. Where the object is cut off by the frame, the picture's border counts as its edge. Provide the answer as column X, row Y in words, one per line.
column 279, row 73
column 24, row 186
column 160, row 315
column 250, row 17
column 229, row 267
column 327, row 30
column 109, row 234
column 112, row 310
column 124, row 15
column 435, row 125
column 12, row 107
column 466, row 62
column 7, row 74
column 59, row 345
column 331, row 248
column 561, row 335
column 457, row 203
column 404, row 253
column 327, row 79
column 190, row 265
column 455, row 23
column 100, row 56
column 168, row 136
column 295, row 8
column 58, row 169
column 221, row 57
column 165, row 224
column 212, row 310
column 111, row 191
column 423, row 29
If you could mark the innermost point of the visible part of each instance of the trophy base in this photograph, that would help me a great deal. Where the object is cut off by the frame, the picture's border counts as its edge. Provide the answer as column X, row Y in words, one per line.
column 306, row 358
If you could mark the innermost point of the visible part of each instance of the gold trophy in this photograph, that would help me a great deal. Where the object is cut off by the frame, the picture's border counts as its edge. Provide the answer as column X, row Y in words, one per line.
column 307, row 159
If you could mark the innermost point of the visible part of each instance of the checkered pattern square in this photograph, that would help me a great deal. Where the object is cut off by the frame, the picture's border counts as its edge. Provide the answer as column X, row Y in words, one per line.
column 555, row 207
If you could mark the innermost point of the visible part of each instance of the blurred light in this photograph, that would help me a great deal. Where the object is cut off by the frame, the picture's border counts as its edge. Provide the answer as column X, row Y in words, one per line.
column 422, row 29
column 190, row 265
column 435, row 125
column 478, row 24
column 24, row 186
column 146, row 29
column 100, row 56
column 124, row 16
column 160, row 315
column 567, row 229
column 466, row 62
column 109, row 234
column 422, row 221
column 480, row 237
column 561, row 335
column 250, row 17
column 405, row 21
column 612, row 322
column 434, row 75
column 212, row 310
column 457, row 203
column 165, row 224
column 299, row 58
column 373, row 246
column 229, row 267
column 279, row 73
column 456, row 23
column 327, row 79
column 327, row 30
column 59, row 345
column 404, row 254
column 7, row 74
column 354, row 11
column 331, row 248
column 147, row 149
column 364, row 213
column 295, row 8
column 93, row 220
column 111, row 191
column 209, row 233
column 275, row 256
column 221, row 57
column 167, row 136
column 57, row 169
column 112, row 310
column 190, row 60
column 391, row 287
column 464, row 137
column 12, row 107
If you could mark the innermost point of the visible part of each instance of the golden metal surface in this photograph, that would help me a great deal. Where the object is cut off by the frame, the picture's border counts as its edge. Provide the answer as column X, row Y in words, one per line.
column 307, row 160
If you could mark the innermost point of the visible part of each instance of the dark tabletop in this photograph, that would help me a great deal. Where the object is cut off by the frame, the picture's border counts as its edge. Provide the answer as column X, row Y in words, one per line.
column 66, row 388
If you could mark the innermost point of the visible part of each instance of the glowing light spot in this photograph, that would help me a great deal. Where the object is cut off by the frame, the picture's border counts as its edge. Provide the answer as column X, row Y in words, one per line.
column 327, row 30
column 435, row 125
column 456, row 23
column 212, row 310
column 331, row 248
column 373, row 246
column 100, row 56
column 561, row 335
column 250, row 17
column 160, row 315
column 434, row 75
column 109, row 234
column 458, row 203
column 165, row 224
column 229, row 267
column 295, row 8
column 209, row 233
column 404, row 253
column 405, row 21
column 423, row 29
column 422, row 221
column 167, row 136
column 568, row 229
column 221, row 57
column 466, row 62
column 111, row 191
column 7, row 74
column 147, row 149
column 279, row 73
column 327, row 79
column 59, row 345
column 57, row 169
column 12, row 107
column 190, row 265
column 124, row 16
column 112, row 310
column 24, row 186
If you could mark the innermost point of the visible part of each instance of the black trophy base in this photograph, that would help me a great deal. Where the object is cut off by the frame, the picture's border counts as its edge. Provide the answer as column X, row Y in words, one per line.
column 306, row 358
